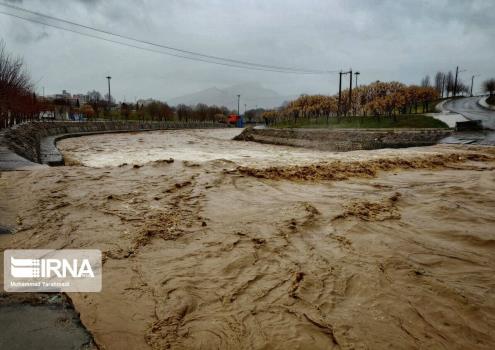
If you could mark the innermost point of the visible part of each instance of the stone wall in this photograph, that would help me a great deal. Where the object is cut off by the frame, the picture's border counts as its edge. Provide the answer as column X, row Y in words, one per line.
column 36, row 140
column 345, row 139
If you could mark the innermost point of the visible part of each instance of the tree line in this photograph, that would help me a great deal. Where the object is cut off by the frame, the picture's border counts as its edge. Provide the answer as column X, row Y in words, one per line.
column 161, row 111
column 446, row 85
column 375, row 99
column 18, row 103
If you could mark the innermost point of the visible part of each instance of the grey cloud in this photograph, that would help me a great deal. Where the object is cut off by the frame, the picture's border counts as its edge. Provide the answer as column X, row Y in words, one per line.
column 25, row 34
column 90, row 2
column 384, row 39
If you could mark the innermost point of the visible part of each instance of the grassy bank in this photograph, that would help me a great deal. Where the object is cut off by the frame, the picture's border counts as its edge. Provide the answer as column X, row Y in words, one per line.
column 400, row 121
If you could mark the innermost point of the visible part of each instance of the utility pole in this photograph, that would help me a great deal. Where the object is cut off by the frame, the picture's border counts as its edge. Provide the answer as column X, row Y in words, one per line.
column 472, row 83
column 350, row 91
column 238, row 101
column 340, row 92
column 109, row 95
column 245, row 107
column 443, row 84
column 455, row 81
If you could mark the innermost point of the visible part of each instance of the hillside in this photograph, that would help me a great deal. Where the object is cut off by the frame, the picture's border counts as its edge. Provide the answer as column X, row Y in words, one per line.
column 252, row 94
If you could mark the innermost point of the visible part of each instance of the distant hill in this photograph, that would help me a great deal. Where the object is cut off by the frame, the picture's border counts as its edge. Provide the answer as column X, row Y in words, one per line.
column 252, row 94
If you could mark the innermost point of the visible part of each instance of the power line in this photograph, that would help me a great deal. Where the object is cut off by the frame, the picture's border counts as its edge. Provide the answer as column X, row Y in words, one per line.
column 149, row 49
column 204, row 57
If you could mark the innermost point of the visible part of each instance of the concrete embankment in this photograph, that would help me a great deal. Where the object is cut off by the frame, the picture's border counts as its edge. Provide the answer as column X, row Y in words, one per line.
column 34, row 143
column 483, row 103
column 345, row 139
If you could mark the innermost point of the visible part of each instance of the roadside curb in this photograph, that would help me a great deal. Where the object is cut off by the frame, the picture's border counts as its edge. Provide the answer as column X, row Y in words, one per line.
column 448, row 117
column 440, row 108
column 482, row 102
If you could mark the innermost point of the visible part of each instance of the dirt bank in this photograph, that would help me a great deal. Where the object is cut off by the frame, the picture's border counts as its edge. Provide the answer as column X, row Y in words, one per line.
column 211, row 250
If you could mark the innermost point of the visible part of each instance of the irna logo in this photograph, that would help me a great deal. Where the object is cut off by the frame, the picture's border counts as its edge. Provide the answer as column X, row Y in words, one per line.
column 51, row 270
column 47, row 268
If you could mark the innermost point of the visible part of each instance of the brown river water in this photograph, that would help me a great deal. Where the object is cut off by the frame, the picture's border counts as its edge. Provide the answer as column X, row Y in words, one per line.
column 239, row 245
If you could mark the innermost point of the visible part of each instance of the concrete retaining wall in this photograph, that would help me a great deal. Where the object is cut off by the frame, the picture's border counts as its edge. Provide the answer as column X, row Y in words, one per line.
column 35, row 141
column 345, row 139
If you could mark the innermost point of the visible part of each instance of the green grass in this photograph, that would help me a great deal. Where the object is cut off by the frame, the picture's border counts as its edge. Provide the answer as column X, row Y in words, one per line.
column 400, row 121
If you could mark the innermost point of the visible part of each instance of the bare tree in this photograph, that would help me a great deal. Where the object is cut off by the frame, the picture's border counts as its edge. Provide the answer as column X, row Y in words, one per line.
column 201, row 111
column 17, row 101
column 489, row 86
column 425, row 82
column 462, row 88
column 184, row 113
column 96, row 101
column 449, row 83
column 94, row 96
column 440, row 82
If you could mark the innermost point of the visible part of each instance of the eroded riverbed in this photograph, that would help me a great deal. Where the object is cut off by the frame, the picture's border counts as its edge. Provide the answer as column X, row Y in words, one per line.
column 363, row 250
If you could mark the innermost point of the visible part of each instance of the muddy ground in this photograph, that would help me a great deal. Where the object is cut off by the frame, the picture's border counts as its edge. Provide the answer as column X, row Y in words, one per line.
column 217, row 244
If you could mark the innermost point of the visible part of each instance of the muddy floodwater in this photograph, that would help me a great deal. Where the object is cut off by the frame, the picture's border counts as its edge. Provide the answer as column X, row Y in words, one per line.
column 199, row 146
column 210, row 243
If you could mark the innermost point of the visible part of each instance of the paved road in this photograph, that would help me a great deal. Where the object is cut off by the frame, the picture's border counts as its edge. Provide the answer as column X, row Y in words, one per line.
column 469, row 107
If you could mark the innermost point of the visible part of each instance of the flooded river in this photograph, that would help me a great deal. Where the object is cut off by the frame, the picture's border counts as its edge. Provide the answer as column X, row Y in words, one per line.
column 239, row 245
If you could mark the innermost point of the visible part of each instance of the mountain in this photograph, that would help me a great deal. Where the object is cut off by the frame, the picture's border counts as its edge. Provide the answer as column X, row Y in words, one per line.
column 252, row 94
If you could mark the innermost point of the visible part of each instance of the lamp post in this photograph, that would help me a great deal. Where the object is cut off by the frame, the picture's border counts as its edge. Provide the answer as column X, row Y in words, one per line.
column 340, row 93
column 109, row 95
column 356, row 74
column 350, row 92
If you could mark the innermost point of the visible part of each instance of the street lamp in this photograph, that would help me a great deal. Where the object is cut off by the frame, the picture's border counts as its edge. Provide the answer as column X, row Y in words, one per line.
column 109, row 96
column 356, row 75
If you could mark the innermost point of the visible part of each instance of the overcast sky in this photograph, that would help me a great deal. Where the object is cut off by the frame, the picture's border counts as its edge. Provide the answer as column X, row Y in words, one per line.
column 385, row 40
